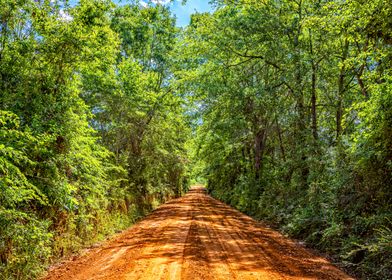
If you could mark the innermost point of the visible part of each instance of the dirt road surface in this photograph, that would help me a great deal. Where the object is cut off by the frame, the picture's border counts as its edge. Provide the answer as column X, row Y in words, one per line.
column 197, row 237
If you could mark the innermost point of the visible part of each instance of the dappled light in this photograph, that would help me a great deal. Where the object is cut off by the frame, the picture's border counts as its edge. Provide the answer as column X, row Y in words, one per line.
column 198, row 237
column 110, row 110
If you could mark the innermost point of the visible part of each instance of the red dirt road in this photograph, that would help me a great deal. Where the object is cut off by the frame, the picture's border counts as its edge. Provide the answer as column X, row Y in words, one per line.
column 198, row 237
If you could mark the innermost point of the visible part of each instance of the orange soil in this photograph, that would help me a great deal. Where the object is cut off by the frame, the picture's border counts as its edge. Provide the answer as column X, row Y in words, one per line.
column 197, row 237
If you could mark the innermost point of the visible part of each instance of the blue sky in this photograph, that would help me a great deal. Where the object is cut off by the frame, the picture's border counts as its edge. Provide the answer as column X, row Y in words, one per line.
column 182, row 12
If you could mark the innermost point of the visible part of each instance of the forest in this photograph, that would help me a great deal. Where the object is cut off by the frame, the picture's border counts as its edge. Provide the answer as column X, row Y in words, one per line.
column 283, row 108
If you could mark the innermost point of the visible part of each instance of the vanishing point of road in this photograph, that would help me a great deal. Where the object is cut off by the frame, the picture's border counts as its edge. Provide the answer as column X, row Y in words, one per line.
column 197, row 237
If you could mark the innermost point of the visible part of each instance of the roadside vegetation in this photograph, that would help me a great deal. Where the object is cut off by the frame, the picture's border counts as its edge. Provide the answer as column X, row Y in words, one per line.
column 92, row 133
column 295, row 103
column 283, row 107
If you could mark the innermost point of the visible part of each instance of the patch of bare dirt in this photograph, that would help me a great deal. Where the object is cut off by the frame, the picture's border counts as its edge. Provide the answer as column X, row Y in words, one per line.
column 197, row 237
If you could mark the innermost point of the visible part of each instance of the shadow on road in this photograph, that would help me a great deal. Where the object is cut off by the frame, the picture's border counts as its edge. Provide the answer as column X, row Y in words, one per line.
column 198, row 237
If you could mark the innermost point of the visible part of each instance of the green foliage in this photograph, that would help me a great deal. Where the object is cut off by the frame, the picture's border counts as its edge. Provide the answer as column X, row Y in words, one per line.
column 92, row 134
column 283, row 107
column 25, row 244
column 18, row 224
column 295, row 121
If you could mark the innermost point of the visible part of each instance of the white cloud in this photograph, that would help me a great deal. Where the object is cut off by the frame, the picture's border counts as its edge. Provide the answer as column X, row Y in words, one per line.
column 64, row 16
column 162, row 2
column 143, row 4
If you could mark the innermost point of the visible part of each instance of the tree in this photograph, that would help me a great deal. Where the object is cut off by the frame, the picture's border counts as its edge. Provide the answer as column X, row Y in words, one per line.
column 289, row 91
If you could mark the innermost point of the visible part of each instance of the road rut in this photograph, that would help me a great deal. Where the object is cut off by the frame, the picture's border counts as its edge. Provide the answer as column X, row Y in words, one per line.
column 197, row 237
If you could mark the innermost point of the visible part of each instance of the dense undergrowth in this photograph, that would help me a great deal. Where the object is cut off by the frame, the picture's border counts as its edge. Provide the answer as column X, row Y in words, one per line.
column 288, row 104
column 294, row 102
column 92, row 134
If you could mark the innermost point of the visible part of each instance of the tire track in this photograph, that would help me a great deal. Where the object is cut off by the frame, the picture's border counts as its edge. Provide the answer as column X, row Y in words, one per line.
column 197, row 237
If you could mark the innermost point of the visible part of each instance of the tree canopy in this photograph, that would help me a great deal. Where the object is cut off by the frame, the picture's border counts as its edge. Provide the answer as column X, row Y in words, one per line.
column 283, row 109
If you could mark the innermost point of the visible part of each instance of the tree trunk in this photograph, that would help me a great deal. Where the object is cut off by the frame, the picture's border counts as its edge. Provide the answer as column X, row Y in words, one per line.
column 313, row 91
column 341, row 90
column 314, row 103
column 282, row 150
